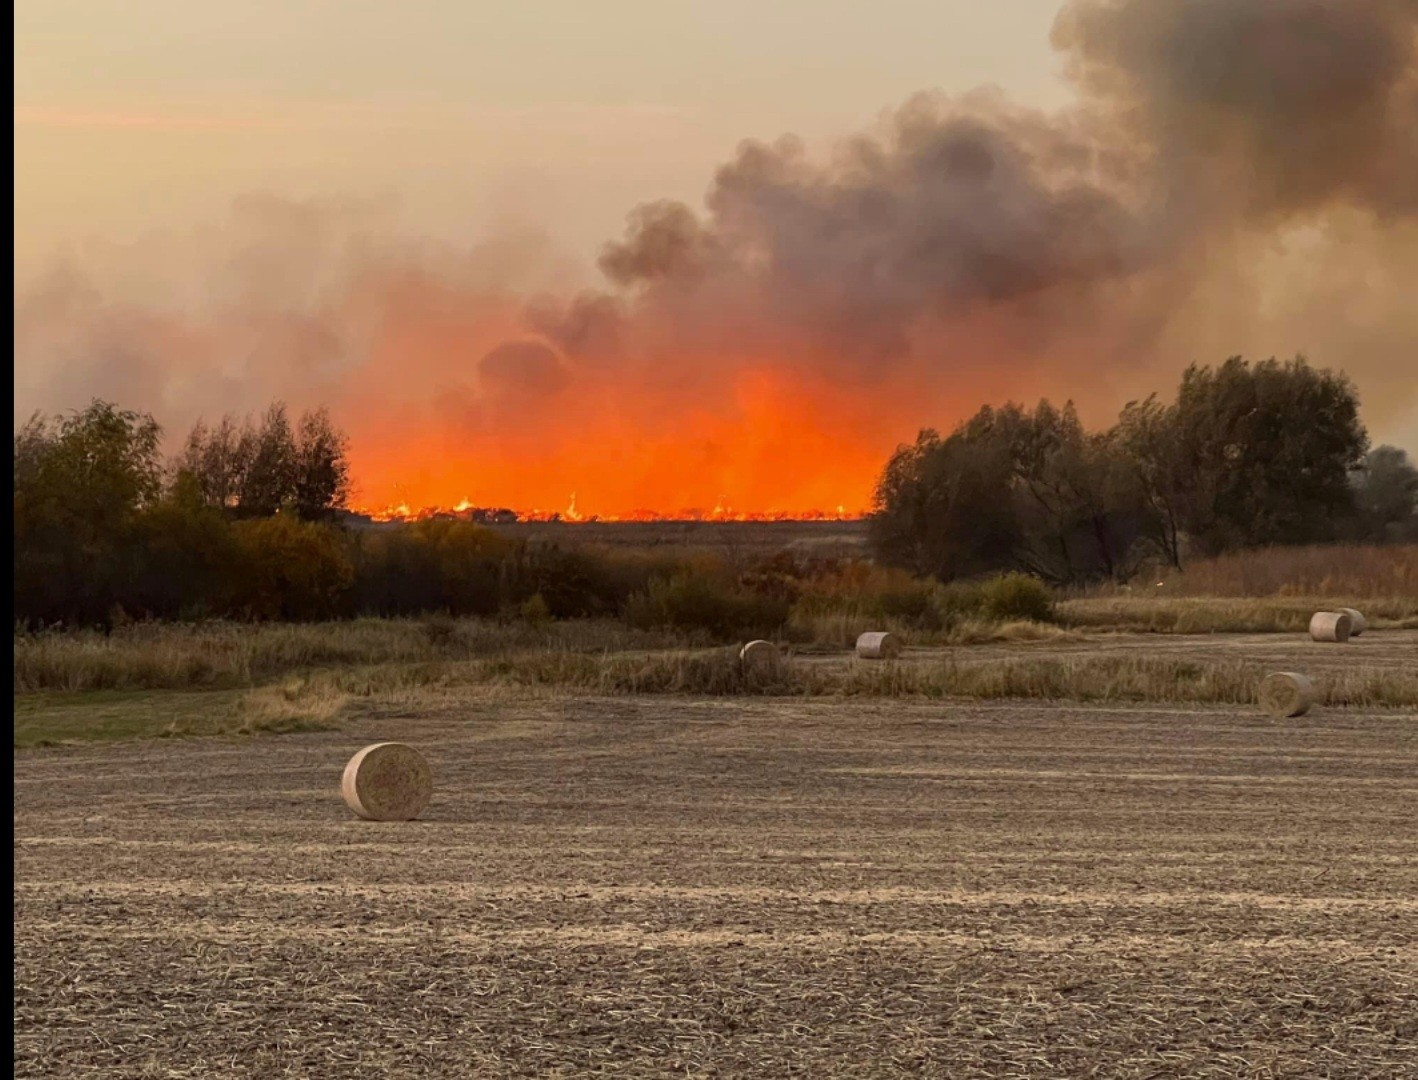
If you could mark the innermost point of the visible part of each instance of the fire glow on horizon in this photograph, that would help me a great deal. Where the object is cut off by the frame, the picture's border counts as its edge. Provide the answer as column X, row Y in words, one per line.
column 763, row 354
column 465, row 510
column 763, row 445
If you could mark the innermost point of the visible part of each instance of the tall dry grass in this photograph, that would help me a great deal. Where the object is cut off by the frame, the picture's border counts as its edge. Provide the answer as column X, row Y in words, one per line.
column 718, row 672
column 1357, row 571
column 176, row 656
column 170, row 656
column 1142, row 613
column 1264, row 591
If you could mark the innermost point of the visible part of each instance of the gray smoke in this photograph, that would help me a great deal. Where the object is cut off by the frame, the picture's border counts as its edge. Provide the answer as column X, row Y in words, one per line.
column 1279, row 106
column 1235, row 176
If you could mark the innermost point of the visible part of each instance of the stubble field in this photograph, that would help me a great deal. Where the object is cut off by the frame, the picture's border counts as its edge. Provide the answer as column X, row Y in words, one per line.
column 734, row 886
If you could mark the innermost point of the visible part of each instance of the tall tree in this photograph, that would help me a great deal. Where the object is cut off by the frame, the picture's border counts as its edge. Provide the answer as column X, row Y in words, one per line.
column 1146, row 444
column 1386, row 493
column 216, row 460
column 256, row 470
column 81, row 481
column 322, row 467
column 1266, row 452
column 938, row 506
column 1008, row 489
column 268, row 481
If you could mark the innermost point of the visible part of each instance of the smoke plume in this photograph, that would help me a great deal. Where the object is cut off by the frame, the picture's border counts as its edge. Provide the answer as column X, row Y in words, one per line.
column 1236, row 176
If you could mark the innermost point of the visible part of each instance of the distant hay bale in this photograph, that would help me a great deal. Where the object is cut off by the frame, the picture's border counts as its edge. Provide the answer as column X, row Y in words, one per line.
column 1330, row 626
column 1285, row 694
column 878, row 645
column 1357, row 623
column 387, row 782
column 759, row 655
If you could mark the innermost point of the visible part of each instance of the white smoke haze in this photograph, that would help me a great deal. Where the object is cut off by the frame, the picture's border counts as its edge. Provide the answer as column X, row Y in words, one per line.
column 1237, row 176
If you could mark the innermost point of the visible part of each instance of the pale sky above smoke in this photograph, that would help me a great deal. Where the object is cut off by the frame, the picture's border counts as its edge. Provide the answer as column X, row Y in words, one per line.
column 402, row 218
column 557, row 113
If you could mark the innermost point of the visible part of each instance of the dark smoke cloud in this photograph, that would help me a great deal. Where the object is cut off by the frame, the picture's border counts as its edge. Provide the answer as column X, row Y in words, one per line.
column 956, row 204
column 1201, row 124
column 522, row 371
column 1236, row 176
column 1290, row 103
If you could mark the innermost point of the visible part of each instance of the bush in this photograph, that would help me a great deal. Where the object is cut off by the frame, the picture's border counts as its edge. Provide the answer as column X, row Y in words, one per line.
column 535, row 611
column 289, row 569
column 1016, row 596
column 914, row 607
column 572, row 583
column 698, row 601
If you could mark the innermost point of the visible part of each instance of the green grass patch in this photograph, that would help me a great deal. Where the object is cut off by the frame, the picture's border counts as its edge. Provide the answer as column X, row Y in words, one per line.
column 52, row 719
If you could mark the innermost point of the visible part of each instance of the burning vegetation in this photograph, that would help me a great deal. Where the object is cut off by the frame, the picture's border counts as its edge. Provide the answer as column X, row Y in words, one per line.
column 250, row 520
column 1233, row 177
column 482, row 515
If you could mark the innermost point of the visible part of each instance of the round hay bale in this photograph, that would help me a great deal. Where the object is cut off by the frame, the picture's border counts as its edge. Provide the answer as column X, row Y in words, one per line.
column 1330, row 626
column 759, row 655
column 1357, row 623
column 878, row 645
column 388, row 781
column 1285, row 694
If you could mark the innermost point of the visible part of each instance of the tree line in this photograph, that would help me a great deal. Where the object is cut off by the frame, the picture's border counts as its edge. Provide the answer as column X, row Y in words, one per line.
column 103, row 524
column 1246, row 456
column 244, row 521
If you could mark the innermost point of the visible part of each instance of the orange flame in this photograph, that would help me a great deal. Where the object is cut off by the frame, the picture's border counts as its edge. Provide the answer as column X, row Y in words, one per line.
column 467, row 512
column 777, row 444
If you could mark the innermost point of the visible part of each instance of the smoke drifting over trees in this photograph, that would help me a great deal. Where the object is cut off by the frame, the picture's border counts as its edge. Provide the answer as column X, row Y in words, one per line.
column 1236, row 176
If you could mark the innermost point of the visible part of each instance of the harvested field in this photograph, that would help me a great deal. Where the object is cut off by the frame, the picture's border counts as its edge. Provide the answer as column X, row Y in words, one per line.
column 730, row 887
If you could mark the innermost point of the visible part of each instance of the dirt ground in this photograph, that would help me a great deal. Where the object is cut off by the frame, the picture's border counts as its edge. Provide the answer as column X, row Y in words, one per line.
column 732, row 888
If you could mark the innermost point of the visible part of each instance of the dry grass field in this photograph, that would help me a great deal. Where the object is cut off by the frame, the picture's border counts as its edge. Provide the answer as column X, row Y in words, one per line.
column 690, row 885
column 236, row 680
column 1072, row 848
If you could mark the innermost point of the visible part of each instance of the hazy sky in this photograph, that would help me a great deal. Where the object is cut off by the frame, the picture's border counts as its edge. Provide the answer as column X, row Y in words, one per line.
column 560, row 114
column 219, row 205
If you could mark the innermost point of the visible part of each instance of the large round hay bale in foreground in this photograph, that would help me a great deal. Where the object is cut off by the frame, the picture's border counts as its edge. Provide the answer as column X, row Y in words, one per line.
column 1285, row 694
column 388, row 781
column 1330, row 626
column 759, row 655
column 877, row 645
column 1357, row 623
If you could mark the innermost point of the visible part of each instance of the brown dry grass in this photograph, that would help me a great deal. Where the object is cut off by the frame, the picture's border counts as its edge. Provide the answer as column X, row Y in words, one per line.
column 1159, row 614
column 1373, row 671
column 225, row 655
column 731, row 888
column 217, row 654
column 1102, row 676
column 1364, row 572
column 1223, row 670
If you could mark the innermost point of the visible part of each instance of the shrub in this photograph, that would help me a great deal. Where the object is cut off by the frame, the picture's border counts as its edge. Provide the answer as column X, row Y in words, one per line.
column 535, row 611
column 915, row 606
column 289, row 569
column 710, row 603
column 448, row 566
column 1016, row 596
